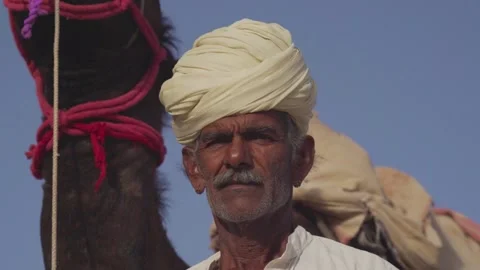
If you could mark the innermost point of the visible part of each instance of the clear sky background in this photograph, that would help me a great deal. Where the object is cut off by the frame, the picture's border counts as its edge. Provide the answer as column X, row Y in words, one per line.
column 401, row 78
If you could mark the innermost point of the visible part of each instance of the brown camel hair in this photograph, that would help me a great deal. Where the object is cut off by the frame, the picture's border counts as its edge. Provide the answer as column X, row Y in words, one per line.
column 121, row 226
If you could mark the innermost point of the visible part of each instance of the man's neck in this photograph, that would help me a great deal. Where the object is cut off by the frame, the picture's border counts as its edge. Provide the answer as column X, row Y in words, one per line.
column 251, row 245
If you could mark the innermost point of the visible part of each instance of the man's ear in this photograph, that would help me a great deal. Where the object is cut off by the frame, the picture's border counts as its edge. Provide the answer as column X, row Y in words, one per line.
column 303, row 161
column 192, row 170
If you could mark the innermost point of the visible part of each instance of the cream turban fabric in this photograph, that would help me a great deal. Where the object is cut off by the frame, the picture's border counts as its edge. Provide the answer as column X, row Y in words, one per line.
column 247, row 67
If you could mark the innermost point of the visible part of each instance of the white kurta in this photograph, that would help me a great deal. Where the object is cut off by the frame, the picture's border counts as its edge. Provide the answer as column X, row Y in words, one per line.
column 305, row 251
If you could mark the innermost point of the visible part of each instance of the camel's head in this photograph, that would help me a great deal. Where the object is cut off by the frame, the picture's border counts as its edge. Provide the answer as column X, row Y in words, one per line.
column 89, row 28
column 104, row 47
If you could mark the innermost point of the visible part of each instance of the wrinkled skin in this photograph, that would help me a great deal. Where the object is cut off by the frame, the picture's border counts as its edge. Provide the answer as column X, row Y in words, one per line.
column 245, row 164
column 221, row 153
column 121, row 226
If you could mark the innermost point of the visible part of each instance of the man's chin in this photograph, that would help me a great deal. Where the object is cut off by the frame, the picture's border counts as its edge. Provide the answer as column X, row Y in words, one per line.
column 245, row 212
column 240, row 218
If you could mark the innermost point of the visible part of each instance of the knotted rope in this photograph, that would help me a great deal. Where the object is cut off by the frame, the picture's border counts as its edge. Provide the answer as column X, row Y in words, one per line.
column 34, row 11
column 117, row 126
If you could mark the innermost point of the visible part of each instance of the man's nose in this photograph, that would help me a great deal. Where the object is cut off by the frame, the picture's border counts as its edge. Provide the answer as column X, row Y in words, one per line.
column 238, row 155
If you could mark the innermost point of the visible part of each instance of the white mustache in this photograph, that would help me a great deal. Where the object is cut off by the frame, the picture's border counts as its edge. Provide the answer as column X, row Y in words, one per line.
column 231, row 177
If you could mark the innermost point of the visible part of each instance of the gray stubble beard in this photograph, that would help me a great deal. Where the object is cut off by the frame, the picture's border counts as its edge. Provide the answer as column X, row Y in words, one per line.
column 267, row 204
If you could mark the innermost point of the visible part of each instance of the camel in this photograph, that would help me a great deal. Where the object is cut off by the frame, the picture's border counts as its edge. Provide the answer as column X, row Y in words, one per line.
column 110, row 204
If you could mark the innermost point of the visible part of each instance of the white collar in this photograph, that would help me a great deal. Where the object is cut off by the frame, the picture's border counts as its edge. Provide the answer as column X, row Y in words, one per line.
column 297, row 242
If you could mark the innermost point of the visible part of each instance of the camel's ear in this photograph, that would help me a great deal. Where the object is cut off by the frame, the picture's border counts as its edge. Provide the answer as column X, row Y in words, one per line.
column 192, row 170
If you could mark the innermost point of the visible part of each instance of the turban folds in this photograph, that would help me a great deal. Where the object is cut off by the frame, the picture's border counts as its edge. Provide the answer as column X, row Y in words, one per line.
column 247, row 67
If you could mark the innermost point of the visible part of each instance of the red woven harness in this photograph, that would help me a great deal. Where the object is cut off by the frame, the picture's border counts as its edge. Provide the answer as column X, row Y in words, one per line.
column 72, row 121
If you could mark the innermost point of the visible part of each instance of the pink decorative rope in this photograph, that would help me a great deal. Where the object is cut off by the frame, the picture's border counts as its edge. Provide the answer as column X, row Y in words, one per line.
column 34, row 12
column 96, row 119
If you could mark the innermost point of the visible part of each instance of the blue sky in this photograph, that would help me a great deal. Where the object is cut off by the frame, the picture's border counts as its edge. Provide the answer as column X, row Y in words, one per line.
column 402, row 79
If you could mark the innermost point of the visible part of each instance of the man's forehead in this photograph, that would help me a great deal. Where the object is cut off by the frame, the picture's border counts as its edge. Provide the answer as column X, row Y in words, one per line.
column 270, row 119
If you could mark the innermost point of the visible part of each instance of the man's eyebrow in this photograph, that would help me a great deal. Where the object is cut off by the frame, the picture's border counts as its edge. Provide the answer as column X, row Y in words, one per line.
column 212, row 135
column 208, row 136
column 261, row 129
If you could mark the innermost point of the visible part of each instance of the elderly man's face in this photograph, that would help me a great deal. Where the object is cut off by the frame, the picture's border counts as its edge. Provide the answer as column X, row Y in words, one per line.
column 246, row 164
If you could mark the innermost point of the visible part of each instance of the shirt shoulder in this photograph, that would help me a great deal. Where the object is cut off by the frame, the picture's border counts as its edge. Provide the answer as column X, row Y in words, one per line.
column 205, row 264
column 330, row 254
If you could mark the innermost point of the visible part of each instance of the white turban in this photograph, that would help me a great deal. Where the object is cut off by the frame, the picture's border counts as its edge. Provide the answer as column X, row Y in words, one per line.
column 247, row 67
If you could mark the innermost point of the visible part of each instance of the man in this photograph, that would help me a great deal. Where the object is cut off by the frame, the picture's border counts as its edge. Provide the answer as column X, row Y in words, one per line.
column 241, row 100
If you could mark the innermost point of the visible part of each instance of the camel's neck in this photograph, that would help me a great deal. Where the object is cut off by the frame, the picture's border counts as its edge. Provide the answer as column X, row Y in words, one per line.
column 119, row 227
